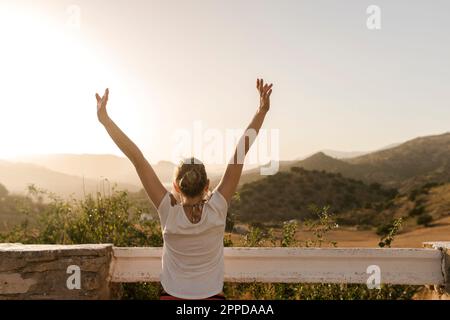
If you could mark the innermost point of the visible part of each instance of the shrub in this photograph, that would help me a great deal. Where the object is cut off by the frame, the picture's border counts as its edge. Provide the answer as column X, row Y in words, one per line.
column 254, row 237
column 387, row 239
column 424, row 219
column 297, row 169
column 375, row 186
column 288, row 236
column 391, row 193
column 413, row 194
column 384, row 229
column 417, row 211
column 230, row 222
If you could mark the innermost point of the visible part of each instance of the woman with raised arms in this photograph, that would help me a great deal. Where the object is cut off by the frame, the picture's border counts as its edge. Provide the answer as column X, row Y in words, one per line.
column 192, row 218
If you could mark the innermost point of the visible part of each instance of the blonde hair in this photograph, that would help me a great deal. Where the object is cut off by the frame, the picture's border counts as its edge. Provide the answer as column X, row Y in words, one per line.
column 190, row 176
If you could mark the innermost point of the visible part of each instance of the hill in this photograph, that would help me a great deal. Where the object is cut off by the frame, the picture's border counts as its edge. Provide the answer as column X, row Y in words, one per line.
column 404, row 166
column 93, row 166
column 289, row 194
column 17, row 176
column 415, row 162
column 430, row 199
column 100, row 166
column 254, row 174
column 320, row 161
column 343, row 154
column 338, row 154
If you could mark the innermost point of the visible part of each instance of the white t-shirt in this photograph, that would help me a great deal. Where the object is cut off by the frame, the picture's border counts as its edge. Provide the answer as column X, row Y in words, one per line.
column 192, row 260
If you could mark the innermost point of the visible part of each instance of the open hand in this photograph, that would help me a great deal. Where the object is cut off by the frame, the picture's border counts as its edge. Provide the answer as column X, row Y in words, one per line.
column 265, row 90
column 101, row 106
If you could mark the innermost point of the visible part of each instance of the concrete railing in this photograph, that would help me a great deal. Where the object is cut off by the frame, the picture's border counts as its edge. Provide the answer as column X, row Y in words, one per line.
column 306, row 265
column 45, row 271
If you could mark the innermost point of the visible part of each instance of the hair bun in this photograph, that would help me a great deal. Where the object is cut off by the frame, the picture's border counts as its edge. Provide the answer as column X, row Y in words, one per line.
column 189, row 180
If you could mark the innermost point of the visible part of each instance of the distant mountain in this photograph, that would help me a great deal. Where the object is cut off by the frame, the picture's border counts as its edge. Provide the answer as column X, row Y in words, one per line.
column 348, row 154
column 404, row 166
column 343, row 154
column 87, row 165
column 17, row 176
column 415, row 162
column 321, row 161
column 106, row 166
column 254, row 174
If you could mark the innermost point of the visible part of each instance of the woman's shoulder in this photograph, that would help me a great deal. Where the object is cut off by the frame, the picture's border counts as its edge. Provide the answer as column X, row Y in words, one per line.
column 168, row 204
column 168, row 201
column 217, row 201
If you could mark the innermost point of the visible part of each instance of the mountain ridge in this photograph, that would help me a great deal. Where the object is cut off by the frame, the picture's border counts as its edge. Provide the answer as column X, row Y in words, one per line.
column 17, row 176
column 404, row 166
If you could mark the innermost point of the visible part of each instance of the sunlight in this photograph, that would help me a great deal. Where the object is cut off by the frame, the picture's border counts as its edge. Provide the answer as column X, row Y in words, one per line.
column 48, row 80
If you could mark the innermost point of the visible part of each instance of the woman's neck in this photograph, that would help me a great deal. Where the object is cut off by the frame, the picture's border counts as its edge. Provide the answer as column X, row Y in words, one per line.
column 191, row 201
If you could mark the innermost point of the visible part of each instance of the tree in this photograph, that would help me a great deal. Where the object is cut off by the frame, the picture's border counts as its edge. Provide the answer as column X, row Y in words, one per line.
column 375, row 186
column 424, row 219
column 418, row 210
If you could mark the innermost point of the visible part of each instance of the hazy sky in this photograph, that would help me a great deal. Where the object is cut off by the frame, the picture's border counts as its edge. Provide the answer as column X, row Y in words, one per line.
column 337, row 84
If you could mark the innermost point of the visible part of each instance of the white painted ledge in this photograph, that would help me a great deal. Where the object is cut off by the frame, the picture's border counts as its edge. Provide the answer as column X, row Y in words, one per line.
column 437, row 245
column 301, row 265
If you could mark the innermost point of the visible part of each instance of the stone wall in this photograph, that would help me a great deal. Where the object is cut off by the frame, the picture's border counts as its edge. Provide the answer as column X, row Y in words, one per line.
column 55, row 271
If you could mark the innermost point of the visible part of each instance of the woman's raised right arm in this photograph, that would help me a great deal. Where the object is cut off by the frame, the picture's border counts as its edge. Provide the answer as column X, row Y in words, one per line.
column 152, row 185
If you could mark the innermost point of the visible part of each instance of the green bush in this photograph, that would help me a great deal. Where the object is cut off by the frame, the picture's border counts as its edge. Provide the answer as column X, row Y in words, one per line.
column 417, row 210
column 424, row 219
column 384, row 229
column 391, row 232
column 413, row 194
column 101, row 219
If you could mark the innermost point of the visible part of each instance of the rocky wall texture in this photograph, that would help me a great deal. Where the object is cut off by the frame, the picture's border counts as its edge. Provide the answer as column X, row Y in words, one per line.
column 55, row 271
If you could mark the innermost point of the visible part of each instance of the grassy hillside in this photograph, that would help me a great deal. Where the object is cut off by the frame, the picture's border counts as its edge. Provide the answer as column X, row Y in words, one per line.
column 404, row 166
column 418, row 161
column 289, row 195
column 429, row 199
column 321, row 161
column 254, row 174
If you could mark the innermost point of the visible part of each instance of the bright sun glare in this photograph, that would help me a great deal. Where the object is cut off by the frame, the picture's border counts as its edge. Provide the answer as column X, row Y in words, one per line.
column 48, row 78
